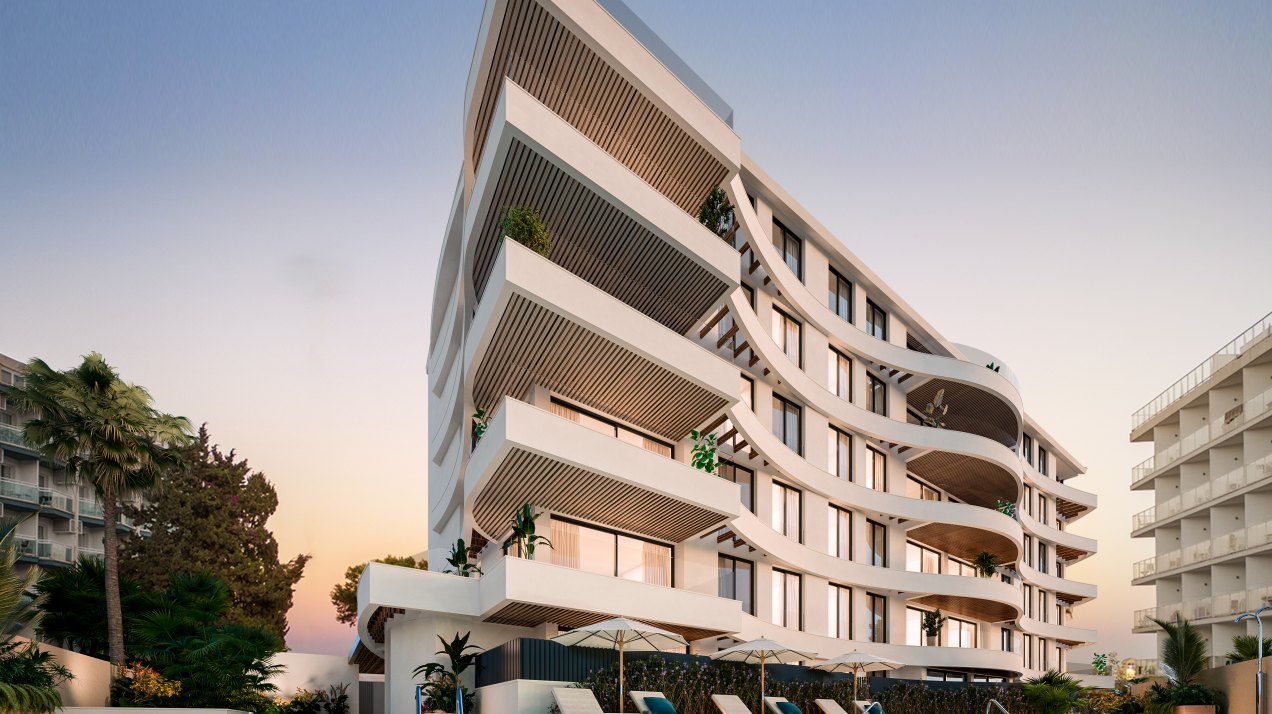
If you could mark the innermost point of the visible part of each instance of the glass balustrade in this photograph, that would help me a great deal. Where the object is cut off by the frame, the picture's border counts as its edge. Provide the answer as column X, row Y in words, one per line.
column 1221, row 546
column 1230, row 482
column 1249, row 410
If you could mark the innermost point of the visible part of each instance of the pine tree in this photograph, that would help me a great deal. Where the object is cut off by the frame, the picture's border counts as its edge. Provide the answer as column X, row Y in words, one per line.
column 211, row 517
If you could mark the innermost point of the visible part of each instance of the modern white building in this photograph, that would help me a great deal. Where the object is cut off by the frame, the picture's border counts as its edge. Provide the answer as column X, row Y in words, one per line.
column 69, row 522
column 837, row 517
column 1211, row 478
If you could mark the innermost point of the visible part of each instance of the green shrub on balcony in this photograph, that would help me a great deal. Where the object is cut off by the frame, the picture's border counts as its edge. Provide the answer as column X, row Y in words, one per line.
column 526, row 227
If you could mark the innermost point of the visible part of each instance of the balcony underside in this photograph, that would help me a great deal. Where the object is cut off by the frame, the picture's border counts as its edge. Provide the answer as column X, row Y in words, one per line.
column 1071, row 554
column 976, row 608
column 525, row 477
column 966, row 478
column 535, row 345
column 966, row 543
column 1069, row 510
column 972, row 410
column 538, row 52
column 529, row 615
column 597, row 241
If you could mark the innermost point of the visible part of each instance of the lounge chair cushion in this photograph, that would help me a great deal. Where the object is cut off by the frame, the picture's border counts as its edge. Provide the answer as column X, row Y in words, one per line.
column 639, row 697
column 659, row 705
column 874, row 708
column 788, row 708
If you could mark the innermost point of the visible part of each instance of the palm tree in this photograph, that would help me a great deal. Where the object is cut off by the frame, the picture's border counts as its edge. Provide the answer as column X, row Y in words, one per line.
column 108, row 433
column 1184, row 651
column 1245, row 647
column 19, row 606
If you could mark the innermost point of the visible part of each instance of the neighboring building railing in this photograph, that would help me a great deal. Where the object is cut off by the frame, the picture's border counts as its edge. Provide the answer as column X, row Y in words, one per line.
column 1204, row 608
column 1251, row 409
column 19, row 491
column 1234, row 480
column 1202, row 372
column 12, row 435
column 1218, row 547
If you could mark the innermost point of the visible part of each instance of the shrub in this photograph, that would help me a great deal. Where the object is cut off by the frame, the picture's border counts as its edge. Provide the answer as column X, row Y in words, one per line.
column 716, row 213
column 29, row 678
column 524, row 226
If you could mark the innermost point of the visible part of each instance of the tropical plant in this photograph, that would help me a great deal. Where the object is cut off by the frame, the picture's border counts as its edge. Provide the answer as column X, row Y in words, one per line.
column 1052, row 692
column 1100, row 663
column 1007, row 508
column 146, row 686
column 1246, row 647
column 344, row 595
column 19, row 603
column 1184, row 652
column 986, row 564
column 28, row 675
column 704, row 456
column 526, row 227
column 933, row 621
column 523, row 533
column 481, row 422
column 108, row 434
column 993, row 367
column 716, row 213
column 936, row 410
column 458, row 560
column 74, row 607
column 442, row 686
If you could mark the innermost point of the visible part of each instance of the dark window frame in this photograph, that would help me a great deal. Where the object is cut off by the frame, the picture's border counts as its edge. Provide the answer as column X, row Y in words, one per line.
column 835, row 511
column 799, row 585
column 835, row 285
column 875, row 387
column 615, row 532
column 799, row 423
column 554, row 399
column 734, row 569
column 877, row 553
column 873, row 630
column 799, row 496
column 872, row 325
column 784, row 249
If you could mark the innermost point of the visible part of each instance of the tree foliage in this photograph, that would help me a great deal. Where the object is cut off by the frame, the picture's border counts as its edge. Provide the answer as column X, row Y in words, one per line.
column 345, row 593
column 1245, row 647
column 1184, row 651
column 212, row 517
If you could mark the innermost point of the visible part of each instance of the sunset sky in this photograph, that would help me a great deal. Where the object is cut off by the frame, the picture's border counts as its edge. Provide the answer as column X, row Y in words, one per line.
column 240, row 204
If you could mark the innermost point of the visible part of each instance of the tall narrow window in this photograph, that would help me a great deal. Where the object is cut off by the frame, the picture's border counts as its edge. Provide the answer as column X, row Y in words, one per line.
column 840, row 449
column 786, row 599
column 1028, row 499
column 839, row 615
column 876, row 618
column 1028, row 646
column 960, row 633
column 876, row 470
column 915, row 488
column 1029, row 550
column 787, row 422
column 1044, row 462
column 876, row 395
column 1029, row 600
column 1042, row 557
column 839, row 379
column 1005, row 641
column 1026, row 448
column 786, row 510
column 743, row 477
column 1042, row 655
column 786, row 333
column 747, row 387
column 737, row 581
column 1044, row 613
column 876, row 544
column 839, row 296
column 876, row 321
column 839, row 532
column 1042, row 508
column 921, row 559
column 790, row 247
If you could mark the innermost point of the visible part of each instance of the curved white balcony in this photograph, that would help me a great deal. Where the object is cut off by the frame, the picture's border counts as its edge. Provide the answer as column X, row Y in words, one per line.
column 917, row 512
column 1070, row 546
column 988, row 599
column 529, row 455
column 1073, row 636
column 1082, row 502
column 1003, row 482
column 948, row 369
column 1072, row 589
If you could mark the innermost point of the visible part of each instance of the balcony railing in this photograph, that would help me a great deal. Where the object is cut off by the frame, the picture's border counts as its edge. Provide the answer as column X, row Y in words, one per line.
column 1205, row 608
column 25, row 546
column 48, row 550
column 56, row 499
column 1202, row 372
column 12, row 435
column 1218, row 547
column 91, row 508
column 1217, row 488
column 19, row 491
column 1251, row 409
column 92, row 552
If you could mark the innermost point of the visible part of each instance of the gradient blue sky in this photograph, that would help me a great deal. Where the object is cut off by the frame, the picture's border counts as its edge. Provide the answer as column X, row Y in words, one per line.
column 240, row 204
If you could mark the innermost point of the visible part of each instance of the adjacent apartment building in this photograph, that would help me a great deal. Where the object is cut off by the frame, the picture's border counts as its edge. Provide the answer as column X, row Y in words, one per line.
column 841, row 510
column 68, row 520
column 1211, row 478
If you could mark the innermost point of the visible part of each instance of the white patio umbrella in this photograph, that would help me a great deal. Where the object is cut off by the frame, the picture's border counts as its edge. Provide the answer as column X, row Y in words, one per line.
column 622, row 634
column 857, row 662
column 761, row 651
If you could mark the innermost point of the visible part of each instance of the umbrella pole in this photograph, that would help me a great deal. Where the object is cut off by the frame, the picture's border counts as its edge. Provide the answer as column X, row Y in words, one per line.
column 761, row 680
column 854, row 684
column 620, row 672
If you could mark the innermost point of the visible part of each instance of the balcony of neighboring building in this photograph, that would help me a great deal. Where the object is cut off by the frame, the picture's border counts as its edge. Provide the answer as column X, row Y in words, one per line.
column 1255, row 476
column 1237, row 544
column 605, row 224
column 1204, row 610
column 584, row 66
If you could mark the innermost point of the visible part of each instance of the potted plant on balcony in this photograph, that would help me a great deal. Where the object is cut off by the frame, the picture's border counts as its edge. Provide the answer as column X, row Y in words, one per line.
column 716, row 213
column 986, row 564
column 936, row 410
column 933, row 621
column 459, row 562
column 1007, row 508
column 526, row 227
column 523, row 537
column 704, row 451
column 1184, row 655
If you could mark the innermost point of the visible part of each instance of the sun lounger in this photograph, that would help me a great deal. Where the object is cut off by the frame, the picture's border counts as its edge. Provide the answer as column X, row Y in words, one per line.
column 576, row 701
column 729, row 704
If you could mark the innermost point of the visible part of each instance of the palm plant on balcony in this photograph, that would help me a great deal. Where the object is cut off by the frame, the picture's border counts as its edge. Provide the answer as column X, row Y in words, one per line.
column 933, row 621
column 1007, row 508
column 481, row 422
column 523, row 537
column 716, row 213
column 1246, row 647
column 459, row 562
column 936, row 410
column 986, row 564
column 704, row 456
column 526, row 227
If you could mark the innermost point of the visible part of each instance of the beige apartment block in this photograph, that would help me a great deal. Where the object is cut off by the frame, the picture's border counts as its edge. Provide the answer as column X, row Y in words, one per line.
column 837, row 518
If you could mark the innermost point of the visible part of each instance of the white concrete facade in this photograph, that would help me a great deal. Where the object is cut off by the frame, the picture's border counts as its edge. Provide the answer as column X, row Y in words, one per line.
column 838, row 517
column 1211, row 478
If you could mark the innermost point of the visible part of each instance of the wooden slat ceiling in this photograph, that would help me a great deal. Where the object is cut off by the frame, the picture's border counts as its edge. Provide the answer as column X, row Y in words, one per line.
column 1069, row 509
column 557, row 68
column 1070, row 553
column 366, row 661
column 380, row 616
column 966, row 478
column 534, row 345
column 965, row 543
column 975, row 608
column 544, row 482
column 972, row 410
column 597, row 242
column 528, row 615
